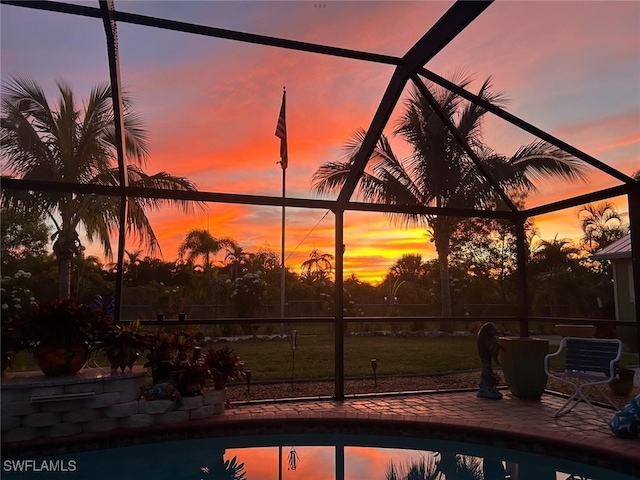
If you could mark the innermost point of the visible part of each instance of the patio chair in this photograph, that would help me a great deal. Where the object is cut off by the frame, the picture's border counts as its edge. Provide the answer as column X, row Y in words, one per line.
column 588, row 362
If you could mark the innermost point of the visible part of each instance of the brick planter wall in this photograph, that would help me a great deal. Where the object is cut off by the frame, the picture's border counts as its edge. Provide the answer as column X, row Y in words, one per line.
column 35, row 406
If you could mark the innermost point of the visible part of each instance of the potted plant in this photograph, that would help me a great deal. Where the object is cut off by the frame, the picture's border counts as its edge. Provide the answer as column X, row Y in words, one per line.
column 124, row 344
column 61, row 334
column 224, row 364
column 195, row 375
column 168, row 354
column 522, row 360
column 623, row 385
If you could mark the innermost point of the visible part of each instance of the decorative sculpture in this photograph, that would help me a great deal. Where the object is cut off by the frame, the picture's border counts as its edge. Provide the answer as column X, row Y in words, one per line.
column 488, row 349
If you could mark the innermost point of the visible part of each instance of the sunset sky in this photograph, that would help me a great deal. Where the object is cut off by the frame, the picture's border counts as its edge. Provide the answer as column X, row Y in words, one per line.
column 211, row 105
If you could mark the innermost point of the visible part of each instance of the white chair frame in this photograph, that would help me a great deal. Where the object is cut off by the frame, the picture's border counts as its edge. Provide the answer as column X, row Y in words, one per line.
column 592, row 359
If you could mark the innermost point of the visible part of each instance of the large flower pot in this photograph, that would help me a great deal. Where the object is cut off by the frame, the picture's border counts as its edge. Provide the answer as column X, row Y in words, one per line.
column 56, row 361
column 523, row 366
column 623, row 385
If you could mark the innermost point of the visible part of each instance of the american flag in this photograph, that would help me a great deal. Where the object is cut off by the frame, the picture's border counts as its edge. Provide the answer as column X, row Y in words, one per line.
column 281, row 133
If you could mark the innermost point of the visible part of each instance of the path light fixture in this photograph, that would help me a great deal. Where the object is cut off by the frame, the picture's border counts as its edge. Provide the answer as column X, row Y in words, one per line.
column 293, row 341
column 374, row 367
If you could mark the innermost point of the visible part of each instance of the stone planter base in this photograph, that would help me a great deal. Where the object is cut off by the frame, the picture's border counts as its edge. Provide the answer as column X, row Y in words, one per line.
column 35, row 406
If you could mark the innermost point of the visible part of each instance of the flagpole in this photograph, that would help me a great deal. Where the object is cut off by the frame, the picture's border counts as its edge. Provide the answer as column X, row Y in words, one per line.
column 281, row 133
column 282, row 271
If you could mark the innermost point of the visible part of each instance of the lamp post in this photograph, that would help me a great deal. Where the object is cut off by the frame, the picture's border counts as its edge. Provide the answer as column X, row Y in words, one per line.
column 374, row 366
column 247, row 374
column 293, row 340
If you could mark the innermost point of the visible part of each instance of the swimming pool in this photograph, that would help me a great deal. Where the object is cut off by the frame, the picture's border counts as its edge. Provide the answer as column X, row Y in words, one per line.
column 304, row 456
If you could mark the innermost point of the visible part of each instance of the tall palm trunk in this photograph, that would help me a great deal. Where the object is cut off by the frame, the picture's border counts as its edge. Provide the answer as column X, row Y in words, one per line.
column 64, row 273
column 66, row 246
column 442, row 248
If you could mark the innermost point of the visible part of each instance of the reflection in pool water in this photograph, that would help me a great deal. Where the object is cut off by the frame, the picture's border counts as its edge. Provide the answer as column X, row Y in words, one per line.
column 310, row 457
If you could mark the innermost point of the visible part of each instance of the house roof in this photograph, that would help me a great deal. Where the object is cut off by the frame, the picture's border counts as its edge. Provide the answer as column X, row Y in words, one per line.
column 619, row 249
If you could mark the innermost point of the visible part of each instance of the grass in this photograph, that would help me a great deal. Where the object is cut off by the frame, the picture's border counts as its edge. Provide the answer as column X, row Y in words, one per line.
column 314, row 357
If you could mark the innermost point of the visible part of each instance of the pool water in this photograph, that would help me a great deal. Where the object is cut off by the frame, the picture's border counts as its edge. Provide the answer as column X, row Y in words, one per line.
column 306, row 457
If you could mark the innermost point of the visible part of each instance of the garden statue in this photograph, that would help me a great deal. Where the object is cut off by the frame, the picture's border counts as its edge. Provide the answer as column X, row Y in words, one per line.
column 488, row 348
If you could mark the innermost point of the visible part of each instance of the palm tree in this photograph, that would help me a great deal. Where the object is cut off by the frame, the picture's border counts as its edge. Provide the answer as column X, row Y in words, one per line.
column 132, row 265
column 547, row 254
column 554, row 269
column 200, row 243
column 74, row 143
column 425, row 468
column 318, row 265
column 602, row 225
column 408, row 266
column 235, row 257
column 439, row 172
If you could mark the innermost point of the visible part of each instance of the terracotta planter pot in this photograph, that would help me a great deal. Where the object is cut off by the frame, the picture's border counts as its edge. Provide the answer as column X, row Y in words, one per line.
column 523, row 366
column 56, row 361
column 623, row 385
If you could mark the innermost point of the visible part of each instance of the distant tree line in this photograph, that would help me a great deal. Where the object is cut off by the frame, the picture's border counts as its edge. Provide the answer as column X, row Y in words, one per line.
column 475, row 267
column 215, row 277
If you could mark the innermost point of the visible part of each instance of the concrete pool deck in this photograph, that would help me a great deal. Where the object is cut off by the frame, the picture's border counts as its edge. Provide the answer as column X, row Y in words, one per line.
column 510, row 422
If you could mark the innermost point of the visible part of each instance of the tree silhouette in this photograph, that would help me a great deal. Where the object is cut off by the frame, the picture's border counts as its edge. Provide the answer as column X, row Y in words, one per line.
column 439, row 171
column 602, row 225
column 72, row 143
column 318, row 266
column 200, row 243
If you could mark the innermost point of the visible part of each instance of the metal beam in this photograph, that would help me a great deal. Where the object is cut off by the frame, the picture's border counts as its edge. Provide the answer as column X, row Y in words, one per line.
column 634, row 223
column 111, row 33
column 594, row 162
column 437, row 37
column 577, row 201
column 242, row 199
column 202, row 30
column 338, row 306
column 462, row 142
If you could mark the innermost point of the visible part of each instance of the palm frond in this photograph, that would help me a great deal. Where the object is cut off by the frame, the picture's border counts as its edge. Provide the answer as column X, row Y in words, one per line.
column 543, row 161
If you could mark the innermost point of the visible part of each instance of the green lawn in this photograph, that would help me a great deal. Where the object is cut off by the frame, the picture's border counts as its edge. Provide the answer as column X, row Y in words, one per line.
column 314, row 357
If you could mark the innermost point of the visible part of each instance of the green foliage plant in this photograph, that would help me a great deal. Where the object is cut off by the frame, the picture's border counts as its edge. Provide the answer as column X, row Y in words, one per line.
column 61, row 322
column 124, row 344
column 224, row 364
